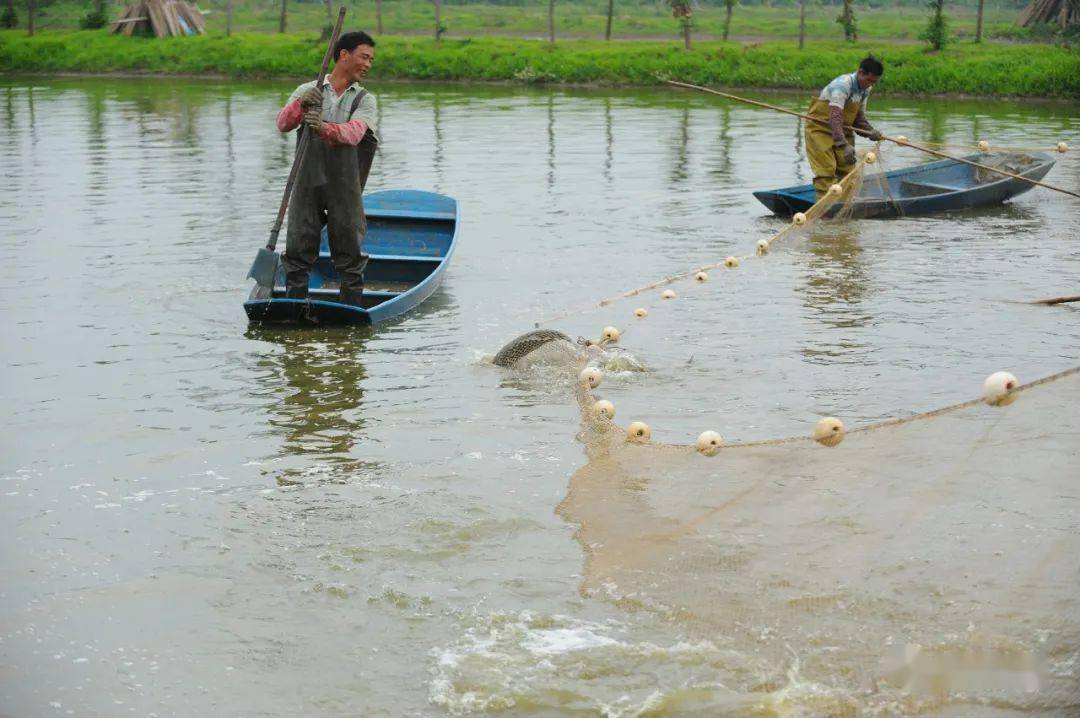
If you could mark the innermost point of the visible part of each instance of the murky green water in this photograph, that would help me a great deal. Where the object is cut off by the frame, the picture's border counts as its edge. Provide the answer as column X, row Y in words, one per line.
column 201, row 518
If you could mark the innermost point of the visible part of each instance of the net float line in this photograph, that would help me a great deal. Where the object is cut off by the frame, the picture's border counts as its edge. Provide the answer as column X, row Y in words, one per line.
column 815, row 212
column 895, row 140
column 1060, row 147
column 1000, row 389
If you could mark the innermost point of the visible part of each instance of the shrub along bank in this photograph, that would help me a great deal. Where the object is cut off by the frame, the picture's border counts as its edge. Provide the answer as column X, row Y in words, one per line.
column 983, row 69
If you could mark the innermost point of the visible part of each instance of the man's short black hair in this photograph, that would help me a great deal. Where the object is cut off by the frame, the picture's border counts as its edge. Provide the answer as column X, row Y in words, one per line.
column 351, row 40
column 872, row 66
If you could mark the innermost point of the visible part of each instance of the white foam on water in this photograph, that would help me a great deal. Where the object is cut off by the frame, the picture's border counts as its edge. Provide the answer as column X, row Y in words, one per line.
column 565, row 640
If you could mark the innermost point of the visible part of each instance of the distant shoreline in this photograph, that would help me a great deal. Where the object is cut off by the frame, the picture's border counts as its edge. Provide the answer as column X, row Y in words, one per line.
column 292, row 78
column 965, row 71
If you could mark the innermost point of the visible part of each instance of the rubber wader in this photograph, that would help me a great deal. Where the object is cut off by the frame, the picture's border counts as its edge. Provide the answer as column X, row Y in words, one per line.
column 329, row 192
column 826, row 160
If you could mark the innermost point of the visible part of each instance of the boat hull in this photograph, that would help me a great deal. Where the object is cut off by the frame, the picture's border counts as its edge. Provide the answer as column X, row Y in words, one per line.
column 942, row 186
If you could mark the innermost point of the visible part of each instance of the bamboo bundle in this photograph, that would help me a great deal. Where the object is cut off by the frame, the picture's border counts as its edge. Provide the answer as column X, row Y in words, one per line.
column 162, row 18
column 1062, row 12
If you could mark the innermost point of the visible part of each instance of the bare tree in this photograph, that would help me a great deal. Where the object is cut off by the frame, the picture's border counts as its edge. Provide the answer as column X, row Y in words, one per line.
column 10, row 19
column 978, row 22
column 802, row 23
column 378, row 16
column 551, row 21
column 847, row 21
column 284, row 16
column 610, row 13
column 730, row 6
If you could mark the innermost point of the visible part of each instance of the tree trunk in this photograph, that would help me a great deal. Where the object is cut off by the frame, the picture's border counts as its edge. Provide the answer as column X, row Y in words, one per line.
column 284, row 15
column 551, row 21
column 228, row 18
column 610, row 12
column 329, row 16
column 438, row 20
column 31, row 10
column 802, row 23
column 850, row 34
column 727, row 17
column 378, row 16
column 686, row 32
column 978, row 22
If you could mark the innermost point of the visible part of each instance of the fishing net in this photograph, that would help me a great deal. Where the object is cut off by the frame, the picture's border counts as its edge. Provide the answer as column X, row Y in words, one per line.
column 926, row 565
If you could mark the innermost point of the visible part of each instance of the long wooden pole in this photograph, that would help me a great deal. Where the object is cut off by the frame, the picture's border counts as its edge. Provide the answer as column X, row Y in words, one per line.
column 1057, row 300
column 903, row 143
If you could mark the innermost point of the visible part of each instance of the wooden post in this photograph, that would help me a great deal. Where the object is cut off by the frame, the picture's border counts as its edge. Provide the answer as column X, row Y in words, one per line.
column 610, row 12
column 551, row 21
column 228, row 18
column 284, row 15
column 978, row 22
column 378, row 16
column 802, row 23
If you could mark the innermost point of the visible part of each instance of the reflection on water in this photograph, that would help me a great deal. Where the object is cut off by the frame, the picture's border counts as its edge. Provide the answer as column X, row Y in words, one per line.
column 680, row 138
column 609, row 140
column 321, row 416
column 835, row 279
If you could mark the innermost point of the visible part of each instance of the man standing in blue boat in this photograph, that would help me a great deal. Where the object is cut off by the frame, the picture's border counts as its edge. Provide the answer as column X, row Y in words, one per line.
column 830, row 145
column 329, row 185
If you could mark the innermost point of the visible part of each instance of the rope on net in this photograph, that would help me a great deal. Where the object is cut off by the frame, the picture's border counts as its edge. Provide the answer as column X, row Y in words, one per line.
column 843, row 192
column 1000, row 389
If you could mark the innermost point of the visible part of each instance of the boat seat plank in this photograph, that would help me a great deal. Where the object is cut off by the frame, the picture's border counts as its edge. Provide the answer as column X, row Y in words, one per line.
column 332, row 292
column 410, row 214
column 923, row 188
column 395, row 258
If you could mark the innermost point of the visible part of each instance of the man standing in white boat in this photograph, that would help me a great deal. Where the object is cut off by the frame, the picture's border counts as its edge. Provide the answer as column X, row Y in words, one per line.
column 335, row 168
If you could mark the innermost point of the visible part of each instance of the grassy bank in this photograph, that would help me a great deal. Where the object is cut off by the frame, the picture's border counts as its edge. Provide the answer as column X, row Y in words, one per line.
column 579, row 18
column 1035, row 71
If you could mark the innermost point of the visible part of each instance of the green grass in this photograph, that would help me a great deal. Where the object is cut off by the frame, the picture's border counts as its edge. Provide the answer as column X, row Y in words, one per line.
column 578, row 19
column 1041, row 70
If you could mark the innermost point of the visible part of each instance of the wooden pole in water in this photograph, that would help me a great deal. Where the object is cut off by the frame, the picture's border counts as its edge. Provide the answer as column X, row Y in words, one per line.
column 902, row 143
column 1057, row 300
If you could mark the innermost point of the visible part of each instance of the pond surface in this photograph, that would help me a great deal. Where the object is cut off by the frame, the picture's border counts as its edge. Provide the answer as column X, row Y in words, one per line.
column 198, row 517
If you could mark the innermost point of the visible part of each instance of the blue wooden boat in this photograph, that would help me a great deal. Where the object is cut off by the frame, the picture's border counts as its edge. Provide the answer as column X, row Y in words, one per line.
column 924, row 189
column 410, row 238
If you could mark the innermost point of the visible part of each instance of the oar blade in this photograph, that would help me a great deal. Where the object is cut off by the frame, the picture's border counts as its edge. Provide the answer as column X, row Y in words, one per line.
column 265, row 267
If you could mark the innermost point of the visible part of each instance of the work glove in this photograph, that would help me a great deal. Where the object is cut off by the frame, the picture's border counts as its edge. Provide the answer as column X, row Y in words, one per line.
column 849, row 154
column 874, row 136
column 313, row 120
column 311, row 98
